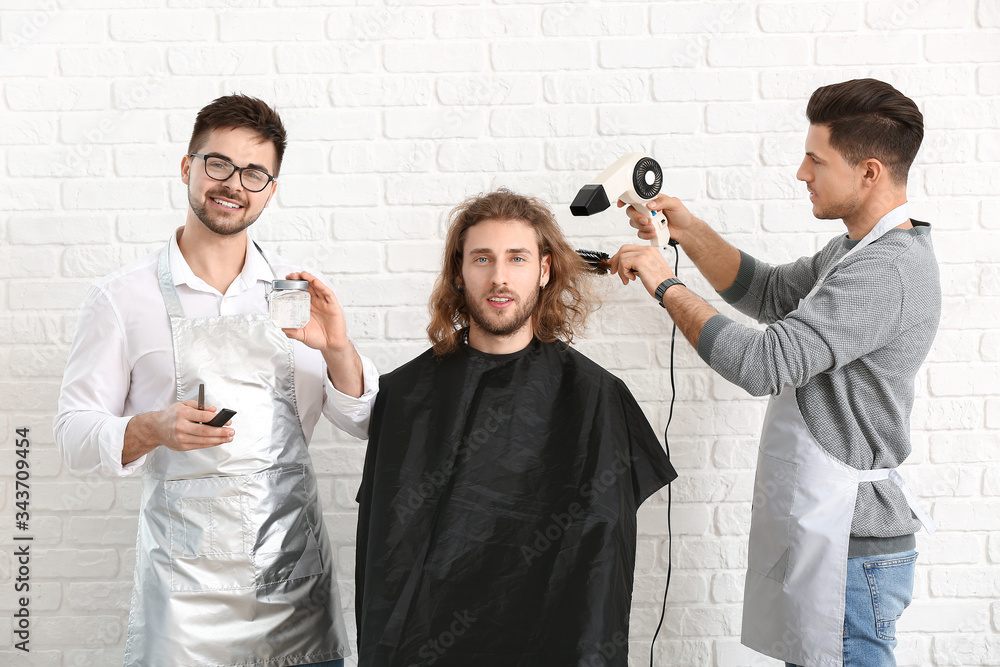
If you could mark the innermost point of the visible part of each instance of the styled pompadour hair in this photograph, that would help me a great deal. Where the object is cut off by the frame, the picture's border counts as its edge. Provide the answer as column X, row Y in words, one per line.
column 870, row 119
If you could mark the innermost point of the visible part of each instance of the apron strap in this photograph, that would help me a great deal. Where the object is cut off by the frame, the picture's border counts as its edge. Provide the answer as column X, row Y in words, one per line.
column 264, row 257
column 923, row 516
column 873, row 475
column 893, row 218
column 167, row 288
column 911, row 499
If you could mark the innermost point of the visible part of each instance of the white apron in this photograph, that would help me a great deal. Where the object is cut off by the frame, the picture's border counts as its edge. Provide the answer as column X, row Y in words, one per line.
column 233, row 562
column 803, row 504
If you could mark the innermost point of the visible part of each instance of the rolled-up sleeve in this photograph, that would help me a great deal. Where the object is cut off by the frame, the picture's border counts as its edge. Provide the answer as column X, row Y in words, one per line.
column 353, row 414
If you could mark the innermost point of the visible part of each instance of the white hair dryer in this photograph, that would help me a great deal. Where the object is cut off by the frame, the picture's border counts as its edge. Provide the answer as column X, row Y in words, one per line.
column 634, row 179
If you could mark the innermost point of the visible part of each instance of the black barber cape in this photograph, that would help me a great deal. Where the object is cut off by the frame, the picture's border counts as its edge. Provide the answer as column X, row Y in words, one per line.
column 497, row 511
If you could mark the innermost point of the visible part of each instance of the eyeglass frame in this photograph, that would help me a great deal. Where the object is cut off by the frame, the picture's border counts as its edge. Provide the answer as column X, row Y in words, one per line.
column 239, row 170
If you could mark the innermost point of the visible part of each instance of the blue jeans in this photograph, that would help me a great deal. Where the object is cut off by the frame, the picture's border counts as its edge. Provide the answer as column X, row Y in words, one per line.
column 879, row 588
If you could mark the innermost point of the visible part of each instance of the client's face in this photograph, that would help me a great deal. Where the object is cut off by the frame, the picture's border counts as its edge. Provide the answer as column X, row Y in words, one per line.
column 502, row 273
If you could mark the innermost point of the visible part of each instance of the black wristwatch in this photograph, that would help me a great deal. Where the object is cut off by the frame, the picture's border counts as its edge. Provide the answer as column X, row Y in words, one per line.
column 663, row 287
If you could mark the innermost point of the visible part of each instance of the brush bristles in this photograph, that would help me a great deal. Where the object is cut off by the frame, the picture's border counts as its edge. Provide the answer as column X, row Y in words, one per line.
column 597, row 260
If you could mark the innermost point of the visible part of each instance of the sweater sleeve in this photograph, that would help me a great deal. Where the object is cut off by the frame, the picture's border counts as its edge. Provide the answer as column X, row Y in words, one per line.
column 767, row 293
column 855, row 311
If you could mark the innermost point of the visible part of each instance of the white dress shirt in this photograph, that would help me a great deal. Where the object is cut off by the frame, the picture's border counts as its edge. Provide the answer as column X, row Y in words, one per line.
column 121, row 363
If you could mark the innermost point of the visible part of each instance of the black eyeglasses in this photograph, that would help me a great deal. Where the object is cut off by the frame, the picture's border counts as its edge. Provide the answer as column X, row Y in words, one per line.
column 220, row 169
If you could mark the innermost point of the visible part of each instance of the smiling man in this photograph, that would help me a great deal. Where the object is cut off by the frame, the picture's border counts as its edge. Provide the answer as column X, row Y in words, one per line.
column 497, row 524
column 831, row 556
column 234, row 566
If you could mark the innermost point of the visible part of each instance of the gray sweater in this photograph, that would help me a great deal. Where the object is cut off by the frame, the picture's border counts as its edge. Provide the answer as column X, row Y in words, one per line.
column 852, row 352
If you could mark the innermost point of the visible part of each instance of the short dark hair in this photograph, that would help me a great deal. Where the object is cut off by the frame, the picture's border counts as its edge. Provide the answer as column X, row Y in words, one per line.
column 870, row 119
column 240, row 111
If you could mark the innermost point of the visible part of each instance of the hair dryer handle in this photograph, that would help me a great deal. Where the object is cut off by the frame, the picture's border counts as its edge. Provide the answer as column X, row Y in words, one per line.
column 662, row 239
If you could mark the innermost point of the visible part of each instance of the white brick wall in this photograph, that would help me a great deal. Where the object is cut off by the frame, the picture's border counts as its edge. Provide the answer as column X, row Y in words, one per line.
column 396, row 111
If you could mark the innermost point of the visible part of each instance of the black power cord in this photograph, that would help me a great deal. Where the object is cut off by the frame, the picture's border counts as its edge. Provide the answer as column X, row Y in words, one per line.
column 666, row 443
column 598, row 263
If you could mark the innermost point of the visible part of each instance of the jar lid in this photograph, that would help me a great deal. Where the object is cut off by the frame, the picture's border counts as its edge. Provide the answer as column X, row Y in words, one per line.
column 290, row 284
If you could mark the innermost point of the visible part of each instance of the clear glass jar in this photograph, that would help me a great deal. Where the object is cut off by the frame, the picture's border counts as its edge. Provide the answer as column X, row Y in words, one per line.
column 288, row 303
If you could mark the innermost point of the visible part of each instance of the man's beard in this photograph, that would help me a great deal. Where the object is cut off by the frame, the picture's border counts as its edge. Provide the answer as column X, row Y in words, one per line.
column 214, row 222
column 839, row 210
column 498, row 322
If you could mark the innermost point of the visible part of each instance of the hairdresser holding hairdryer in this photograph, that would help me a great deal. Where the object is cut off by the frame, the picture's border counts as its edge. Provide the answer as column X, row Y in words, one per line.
column 847, row 329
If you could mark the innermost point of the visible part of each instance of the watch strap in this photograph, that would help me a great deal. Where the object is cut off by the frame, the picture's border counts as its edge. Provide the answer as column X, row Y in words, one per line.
column 662, row 288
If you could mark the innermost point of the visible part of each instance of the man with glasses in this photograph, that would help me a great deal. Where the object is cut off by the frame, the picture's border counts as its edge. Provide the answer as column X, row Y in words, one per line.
column 252, row 178
column 234, row 565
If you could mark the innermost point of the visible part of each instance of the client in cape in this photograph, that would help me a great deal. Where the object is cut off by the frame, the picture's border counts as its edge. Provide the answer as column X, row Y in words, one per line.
column 497, row 520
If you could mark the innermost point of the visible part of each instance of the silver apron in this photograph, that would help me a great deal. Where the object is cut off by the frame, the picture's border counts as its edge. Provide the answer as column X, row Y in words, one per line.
column 800, row 529
column 233, row 562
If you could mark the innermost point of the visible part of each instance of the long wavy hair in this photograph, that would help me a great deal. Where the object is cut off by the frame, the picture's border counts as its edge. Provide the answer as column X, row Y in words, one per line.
column 563, row 304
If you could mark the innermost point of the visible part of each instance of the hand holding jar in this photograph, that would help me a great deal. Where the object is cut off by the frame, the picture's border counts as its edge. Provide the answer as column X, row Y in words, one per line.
column 321, row 326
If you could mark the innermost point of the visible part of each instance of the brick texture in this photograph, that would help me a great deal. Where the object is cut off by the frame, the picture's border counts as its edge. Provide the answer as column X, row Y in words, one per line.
column 397, row 111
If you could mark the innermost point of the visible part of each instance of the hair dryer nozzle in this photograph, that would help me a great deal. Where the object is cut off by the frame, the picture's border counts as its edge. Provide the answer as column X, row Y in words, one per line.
column 589, row 200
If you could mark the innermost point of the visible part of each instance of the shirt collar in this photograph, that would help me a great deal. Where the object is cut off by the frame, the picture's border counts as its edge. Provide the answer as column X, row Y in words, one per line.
column 255, row 268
